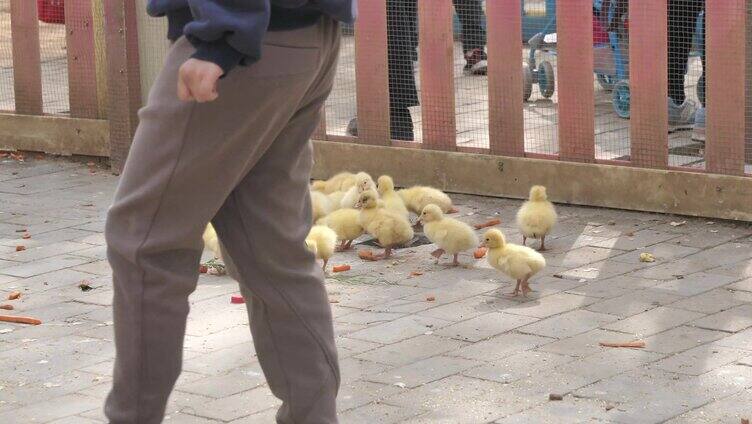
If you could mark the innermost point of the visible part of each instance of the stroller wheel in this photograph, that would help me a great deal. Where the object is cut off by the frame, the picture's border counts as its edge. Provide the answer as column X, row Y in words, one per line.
column 606, row 81
column 621, row 99
column 546, row 79
column 527, row 82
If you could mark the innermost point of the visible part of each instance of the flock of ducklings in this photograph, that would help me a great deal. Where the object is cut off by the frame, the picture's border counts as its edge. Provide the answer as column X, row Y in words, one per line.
column 348, row 206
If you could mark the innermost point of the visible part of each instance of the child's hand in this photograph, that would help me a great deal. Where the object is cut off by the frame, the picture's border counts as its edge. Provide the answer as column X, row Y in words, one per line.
column 197, row 81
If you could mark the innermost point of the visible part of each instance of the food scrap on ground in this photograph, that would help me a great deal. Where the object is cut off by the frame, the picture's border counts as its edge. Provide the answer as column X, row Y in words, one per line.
column 555, row 396
column 236, row 299
column 416, row 274
column 20, row 248
column 489, row 223
column 14, row 295
column 6, row 307
column 634, row 344
column 678, row 223
column 341, row 268
column 85, row 286
column 19, row 320
column 366, row 255
column 26, row 236
column 480, row 253
column 431, row 298
column 203, row 269
column 646, row 257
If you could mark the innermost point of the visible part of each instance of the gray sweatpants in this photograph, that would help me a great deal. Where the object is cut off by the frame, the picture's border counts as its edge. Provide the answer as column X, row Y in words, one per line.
column 243, row 162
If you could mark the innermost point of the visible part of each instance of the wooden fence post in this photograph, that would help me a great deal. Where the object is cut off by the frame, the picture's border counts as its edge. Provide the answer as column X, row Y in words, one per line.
column 82, row 75
column 121, row 32
column 27, row 69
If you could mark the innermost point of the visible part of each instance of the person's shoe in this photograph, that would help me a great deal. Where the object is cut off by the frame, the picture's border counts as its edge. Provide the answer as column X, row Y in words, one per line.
column 476, row 62
column 681, row 116
column 698, row 130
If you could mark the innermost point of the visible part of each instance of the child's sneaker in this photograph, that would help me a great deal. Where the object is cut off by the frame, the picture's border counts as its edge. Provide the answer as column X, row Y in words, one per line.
column 476, row 62
column 698, row 131
column 681, row 116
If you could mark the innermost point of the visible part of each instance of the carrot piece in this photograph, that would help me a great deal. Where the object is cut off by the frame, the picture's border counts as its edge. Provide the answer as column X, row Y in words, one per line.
column 416, row 274
column 453, row 210
column 14, row 295
column 203, row 269
column 366, row 255
column 19, row 320
column 430, row 298
column 341, row 268
column 20, row 248
column 26, row 236
column 635, row 344
column 480, row 253
column 7, row 307
column 489, row 223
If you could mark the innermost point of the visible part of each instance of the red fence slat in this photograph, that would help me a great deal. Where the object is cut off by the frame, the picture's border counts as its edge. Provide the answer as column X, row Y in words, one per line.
column 437, row 74
column 725, row 26
column 27, row 71
column 82, row 74
column 372, row 82
column 575, row 77
column 505, row 114
column 648, row 63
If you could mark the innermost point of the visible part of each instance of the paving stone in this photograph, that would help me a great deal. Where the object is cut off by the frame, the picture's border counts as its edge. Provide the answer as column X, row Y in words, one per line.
column 46, row 410
column 681, row 338
column 610, row 287
column 728, row 410
column 501, row 346
column 731, row 320
column 484, row 326
column 44, row 266
column 468, row 308
column 745, row 285
column 517, row 366
column 400, row 329
column 571, row 410
column 568, row 324
column 347, row 347
column 637, row 385
column 75, row 420
column 353, row 369
column 96, row 268
column 663, row 252
column 670, row 270
column 412, row 350
column 263, row 417
column 634, row 303
column 552, row 305
column 740, row 340
column 654, row 321
column 637, row 240
column 359, row 393
column 424, row 371
column 45, row 251
column 378, row 414
column 714, row 301
column 236, row 406
column 581, row 256
column 220, row 361
column 585, row 344
column 694, row 284
column 608, row 363
column 700, row 359
column 236, row 381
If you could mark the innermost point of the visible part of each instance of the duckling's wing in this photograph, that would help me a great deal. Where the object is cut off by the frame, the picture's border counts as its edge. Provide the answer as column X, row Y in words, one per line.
column 519, row 267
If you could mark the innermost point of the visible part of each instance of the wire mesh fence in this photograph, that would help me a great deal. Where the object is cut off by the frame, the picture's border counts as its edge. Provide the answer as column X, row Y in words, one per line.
column 619, row 81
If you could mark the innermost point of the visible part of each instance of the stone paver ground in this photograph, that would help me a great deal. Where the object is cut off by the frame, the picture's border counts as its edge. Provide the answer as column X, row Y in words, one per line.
column 469, row 356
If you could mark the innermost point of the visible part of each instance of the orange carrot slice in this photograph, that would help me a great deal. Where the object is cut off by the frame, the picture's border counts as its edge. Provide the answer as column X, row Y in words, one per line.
column 341, row 268
column 19, row 320
column 480, row 253
column 489, row 223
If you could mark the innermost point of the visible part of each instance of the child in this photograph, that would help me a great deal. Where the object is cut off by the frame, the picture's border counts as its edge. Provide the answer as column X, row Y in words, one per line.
column 224, row 137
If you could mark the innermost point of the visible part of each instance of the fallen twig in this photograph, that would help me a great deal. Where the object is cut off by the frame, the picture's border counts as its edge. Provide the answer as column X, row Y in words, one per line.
column 634, row 344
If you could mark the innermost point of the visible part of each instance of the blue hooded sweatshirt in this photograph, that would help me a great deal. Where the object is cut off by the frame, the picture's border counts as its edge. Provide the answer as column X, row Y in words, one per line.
column 230, row 32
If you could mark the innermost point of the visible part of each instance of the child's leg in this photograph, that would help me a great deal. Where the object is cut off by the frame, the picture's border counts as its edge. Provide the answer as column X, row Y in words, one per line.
column 185, row 160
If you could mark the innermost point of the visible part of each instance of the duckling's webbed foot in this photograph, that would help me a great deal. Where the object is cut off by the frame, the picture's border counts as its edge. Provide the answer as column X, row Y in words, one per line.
column 516, row 291
column 438, row 253
column 542, row 247
column 456, row 261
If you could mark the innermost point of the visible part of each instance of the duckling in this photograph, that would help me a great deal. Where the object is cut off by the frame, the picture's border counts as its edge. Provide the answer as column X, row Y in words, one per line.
column 211, row 241
column 322, row 205
column 340, row 182
column 336, row 199
column 363, row 182
column 452, row 236
column 418, row 197
column 536, row 217
column 389, row 228
column 344, row 222
column 321, row 240
column 392, row 200
column 518, row 262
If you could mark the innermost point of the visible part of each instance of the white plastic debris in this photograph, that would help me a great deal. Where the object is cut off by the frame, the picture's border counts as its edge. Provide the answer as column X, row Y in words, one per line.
column 678, row 223
column 400, row 384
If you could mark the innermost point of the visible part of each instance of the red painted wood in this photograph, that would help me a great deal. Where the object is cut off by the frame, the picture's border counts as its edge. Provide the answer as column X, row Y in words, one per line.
column 372, row 79
column 505, row 114
column 437, row 74
column 123, row 77
column 575, row 80
column 648, row 81
column 724, row 147
column 82, row 73
column 27, row 71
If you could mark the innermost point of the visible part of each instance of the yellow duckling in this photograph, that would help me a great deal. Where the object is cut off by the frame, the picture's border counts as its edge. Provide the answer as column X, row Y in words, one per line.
column 322, row 205
column 363, row 182
column 392, row 200
column 418, row 197
column 389, row 228
column 340, row 182
column 452, row 236
column 536, row 217
column 346, row 223
column 518, row 262
column 211, row 241
column 321, row 240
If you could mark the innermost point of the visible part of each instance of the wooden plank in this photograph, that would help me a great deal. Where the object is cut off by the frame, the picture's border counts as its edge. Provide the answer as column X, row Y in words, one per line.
column 124, row 96
column 748, row 86
column 371, row 69
column 505, row 114
column 575, row 80
column 437, row 74
column 724, row 147
column 648, row 79
column 54, row 134
column 82, row 74
column 100, row 55
column 621, row 187
column 27, row 69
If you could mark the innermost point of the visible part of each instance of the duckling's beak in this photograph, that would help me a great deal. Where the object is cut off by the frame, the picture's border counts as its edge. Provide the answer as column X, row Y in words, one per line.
column 359, row 205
